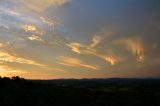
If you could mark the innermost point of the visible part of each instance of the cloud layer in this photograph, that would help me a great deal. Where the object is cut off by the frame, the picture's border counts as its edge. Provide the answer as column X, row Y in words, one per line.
column 42, row 5
column 74, row 39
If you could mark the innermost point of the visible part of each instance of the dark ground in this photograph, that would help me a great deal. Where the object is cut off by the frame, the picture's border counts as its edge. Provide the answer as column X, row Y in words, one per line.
column 86, row 92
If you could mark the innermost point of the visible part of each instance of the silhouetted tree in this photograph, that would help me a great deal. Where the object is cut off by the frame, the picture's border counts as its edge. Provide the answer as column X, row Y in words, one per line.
column 16, row 78
column 6, row 78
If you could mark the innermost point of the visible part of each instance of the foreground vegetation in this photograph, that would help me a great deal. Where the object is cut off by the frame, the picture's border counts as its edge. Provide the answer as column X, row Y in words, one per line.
column 86, row 92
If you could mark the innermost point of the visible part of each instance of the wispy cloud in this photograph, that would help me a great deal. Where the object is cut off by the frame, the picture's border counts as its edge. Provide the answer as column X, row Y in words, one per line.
column 135, row 46
column 6, row 57
column 34, row 33
column 49, row 23
column 91, row 50
column 111, row 59
column 95, row 41
column 76, row 47
column 36, row 38
column 9, row 12
column 6, row 71
column 74, row 62
column 17, row 24
column 42, row 5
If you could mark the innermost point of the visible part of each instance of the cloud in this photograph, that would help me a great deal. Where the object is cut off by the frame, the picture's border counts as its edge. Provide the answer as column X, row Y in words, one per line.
column 111, row 59
column 73, row 62
column 18, row 22
column 9, row 12
column 39, row 31
column 49, row 23
column 28, row 28
column 35, row 38
column 91, row 50
column 6, row 57
column 42, row 5
column 76, row 47
column 6, row 71
column 135, row 46
column 80, row 48
column 1, row 45
column 95, row 40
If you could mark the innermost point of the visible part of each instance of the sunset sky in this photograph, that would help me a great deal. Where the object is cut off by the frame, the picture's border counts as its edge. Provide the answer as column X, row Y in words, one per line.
column 50, row 39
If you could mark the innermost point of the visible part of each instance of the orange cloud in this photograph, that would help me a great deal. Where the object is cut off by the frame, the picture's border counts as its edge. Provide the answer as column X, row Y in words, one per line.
column 111, row 59
column 1, row 45
column 135, row 46
column 76, row 47
column 42, row 5
column 69, row 61
column 82, row 49
column 6, row 57
column 6, row 71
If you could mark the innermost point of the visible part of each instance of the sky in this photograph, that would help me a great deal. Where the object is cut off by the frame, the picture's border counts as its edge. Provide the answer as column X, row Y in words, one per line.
column 52, row 39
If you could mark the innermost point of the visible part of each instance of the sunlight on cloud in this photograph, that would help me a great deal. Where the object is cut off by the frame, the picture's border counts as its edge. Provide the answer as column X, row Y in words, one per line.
column 91, row 50
column 36, row 38
column 42, row 5
column 112, row 60
column 29, row 28
column 13, row 23
column 17, row 21
column 70, row 61
column 135, row 46
column 80, row 48
column 1, row 45
column 6, row 71
column 75, row 47
column 19, row 24
column 5, row 57
column 95, row 40
column 34, row 33
column 3, row 68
